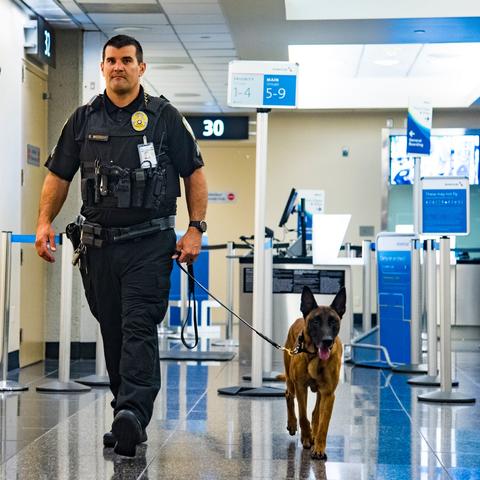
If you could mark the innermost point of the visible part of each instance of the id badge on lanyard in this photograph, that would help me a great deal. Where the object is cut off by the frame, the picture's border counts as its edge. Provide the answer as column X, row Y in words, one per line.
column 146, row 153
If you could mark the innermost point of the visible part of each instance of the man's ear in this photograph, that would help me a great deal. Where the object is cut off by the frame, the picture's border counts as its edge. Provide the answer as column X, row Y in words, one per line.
column 339, row 302
column 308, row 302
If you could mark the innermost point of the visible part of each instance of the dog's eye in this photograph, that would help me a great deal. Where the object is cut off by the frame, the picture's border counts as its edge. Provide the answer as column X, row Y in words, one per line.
column 331, row 321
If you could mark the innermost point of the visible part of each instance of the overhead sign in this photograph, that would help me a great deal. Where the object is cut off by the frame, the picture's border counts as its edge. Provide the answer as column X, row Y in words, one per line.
column 40, row 41
column 219, row 127
column 419, row 126
column 445, row 206
column 262, row 84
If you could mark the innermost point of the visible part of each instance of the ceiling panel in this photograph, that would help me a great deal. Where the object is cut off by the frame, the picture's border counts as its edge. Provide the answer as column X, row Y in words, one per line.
column 388, row 60
column 203, row 29
column 367, row 9
column 222, row 52
column 128, row 19
column 197, row 20
column 150, row 32
column 192, row 8
column 122, row 2
column 202, row 38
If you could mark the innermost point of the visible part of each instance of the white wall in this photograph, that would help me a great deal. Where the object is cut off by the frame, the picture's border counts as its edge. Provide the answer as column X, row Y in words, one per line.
column 11, row 55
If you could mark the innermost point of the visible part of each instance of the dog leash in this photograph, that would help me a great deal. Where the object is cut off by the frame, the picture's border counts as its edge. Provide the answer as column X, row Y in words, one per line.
column 191, row 284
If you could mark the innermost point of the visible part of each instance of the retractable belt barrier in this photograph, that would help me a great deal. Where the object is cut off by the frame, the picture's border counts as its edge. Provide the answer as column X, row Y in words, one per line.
column 63, row 384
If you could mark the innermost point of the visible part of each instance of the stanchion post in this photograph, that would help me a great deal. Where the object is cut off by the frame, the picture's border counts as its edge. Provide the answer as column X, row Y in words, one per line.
column 259, row 245
column 100, row 378
column 5, row 282
column 63, row 384
column 230, row 273
column 415, row 322
column 268, row 293
column 445, row 394
column 229, row 341
column 431, row 379
column 367, row 286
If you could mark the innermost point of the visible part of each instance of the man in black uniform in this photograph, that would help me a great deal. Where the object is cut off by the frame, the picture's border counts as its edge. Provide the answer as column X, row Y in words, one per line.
column 131, row 149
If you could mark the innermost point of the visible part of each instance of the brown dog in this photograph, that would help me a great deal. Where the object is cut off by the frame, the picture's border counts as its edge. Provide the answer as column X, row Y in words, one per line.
column 317, row 365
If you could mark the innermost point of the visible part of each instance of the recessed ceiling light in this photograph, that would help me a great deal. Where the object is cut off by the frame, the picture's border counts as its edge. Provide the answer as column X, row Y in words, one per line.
column 387, row 62
column 131, row 29
column 165, row 67
column 205, row 37
column 186, row 95
column 419, row 30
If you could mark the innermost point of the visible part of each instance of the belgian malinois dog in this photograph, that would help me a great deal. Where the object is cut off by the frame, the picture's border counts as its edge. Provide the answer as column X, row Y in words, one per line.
column 317, row 365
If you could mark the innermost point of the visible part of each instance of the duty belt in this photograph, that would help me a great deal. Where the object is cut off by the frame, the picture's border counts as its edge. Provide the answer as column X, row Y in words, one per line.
column 94, row 235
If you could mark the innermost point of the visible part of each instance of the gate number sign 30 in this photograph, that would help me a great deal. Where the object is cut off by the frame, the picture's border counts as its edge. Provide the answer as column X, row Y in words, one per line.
column 213, row 127
column 47, row 43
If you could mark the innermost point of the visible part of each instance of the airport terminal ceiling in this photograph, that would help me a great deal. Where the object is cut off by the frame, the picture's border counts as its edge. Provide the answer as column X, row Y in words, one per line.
column 188, row 45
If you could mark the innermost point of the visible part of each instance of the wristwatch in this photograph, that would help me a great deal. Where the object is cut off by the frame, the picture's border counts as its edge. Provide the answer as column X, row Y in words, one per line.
column 200, row 225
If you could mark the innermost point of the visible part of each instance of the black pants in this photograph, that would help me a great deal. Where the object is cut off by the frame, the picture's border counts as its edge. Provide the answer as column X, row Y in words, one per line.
column 127, row 286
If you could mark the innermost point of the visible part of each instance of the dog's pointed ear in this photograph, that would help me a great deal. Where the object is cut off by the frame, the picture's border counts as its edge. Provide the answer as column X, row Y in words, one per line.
column 308, row 302
column 339, row 302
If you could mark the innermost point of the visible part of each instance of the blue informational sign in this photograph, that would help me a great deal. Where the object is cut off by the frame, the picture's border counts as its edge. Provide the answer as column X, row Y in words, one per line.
column 394, row 296
column 444, row 211
column 279, row 90
column 445, row 206
column 419, row 124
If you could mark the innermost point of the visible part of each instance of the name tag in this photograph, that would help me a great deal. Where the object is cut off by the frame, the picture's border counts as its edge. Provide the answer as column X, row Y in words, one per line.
column 98, row 137
column 146, row 152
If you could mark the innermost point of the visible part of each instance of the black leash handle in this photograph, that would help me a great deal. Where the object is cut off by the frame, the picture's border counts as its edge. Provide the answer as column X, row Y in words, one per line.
column 191, row 294
column 192, row 280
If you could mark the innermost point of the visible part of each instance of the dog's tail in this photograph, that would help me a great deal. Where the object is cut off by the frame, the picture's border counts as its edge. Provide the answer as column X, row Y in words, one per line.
column 281, row 377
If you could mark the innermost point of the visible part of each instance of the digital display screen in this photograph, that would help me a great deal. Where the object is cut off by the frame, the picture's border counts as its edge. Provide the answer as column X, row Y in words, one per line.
column 219, row 127
column 450, row 155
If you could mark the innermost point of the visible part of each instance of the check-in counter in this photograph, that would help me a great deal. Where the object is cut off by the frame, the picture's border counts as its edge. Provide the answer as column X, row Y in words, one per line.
column 289, row 277
column 467, row 289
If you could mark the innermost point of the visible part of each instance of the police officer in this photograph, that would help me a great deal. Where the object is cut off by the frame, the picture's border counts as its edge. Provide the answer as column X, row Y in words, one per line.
column 131, row 149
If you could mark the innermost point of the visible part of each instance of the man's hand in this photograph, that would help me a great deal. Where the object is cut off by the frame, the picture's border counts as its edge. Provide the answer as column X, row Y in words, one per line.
column 188, row 247
column 45, row 242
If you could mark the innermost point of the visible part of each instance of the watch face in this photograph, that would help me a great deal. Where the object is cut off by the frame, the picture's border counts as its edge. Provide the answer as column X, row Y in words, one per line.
column 203, row 226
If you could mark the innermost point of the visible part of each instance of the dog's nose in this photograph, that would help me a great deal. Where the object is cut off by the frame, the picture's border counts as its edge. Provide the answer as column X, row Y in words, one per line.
column 327, row 342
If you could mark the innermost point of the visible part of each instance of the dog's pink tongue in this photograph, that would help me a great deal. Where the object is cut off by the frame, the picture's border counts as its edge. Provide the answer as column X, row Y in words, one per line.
column 323, row 353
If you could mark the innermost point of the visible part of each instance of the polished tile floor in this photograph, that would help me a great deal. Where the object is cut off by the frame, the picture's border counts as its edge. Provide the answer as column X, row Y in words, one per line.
column 378, row 430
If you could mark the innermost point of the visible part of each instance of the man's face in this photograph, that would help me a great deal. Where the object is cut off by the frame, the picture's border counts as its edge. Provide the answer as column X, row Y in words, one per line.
column 121, row 69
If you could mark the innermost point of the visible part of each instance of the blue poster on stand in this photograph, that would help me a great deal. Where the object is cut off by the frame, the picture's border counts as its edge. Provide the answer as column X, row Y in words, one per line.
column 419, row 125
column 445, row 206
column 394, row 295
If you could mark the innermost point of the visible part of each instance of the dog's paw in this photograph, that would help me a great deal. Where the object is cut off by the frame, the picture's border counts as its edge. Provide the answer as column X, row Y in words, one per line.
column 292, row 429
column 316, row 455
column 307, row 442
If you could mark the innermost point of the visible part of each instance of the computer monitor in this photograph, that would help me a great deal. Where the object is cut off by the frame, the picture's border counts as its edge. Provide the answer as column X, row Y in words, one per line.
column 289, row 207
column 452, row 154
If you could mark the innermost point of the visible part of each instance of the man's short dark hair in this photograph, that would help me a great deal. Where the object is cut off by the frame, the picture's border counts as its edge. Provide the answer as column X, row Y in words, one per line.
column 120, row 41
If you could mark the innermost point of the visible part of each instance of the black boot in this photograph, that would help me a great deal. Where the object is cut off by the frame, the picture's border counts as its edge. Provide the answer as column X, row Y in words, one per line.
column 127, row 431
column 109, row 439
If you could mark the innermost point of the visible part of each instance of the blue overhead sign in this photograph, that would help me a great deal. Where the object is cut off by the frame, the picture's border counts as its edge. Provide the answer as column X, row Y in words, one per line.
column 256, row 84
column 279, row 90
column 419, row 125
column 445, row 208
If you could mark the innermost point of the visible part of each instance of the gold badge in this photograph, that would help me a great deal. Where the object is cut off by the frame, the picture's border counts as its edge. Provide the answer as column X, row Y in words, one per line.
column 139, row 121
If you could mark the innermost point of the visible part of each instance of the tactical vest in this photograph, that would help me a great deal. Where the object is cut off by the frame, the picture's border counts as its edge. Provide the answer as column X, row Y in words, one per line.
column 112, row 177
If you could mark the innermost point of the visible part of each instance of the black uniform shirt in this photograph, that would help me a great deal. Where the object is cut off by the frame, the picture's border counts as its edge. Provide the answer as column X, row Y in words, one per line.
column 183, row 150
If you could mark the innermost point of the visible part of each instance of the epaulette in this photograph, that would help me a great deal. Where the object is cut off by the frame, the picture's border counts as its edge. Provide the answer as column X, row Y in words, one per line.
column 155, row 104
column 94, row 102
